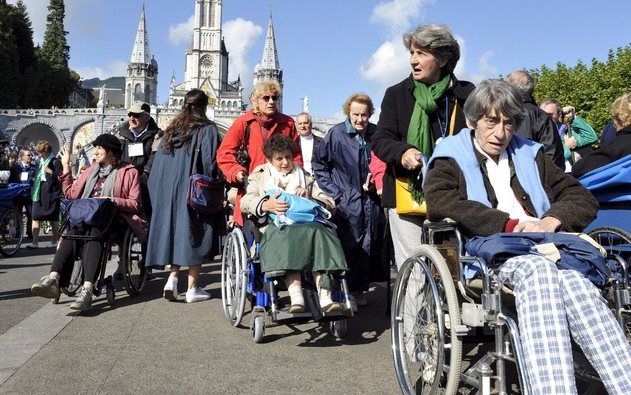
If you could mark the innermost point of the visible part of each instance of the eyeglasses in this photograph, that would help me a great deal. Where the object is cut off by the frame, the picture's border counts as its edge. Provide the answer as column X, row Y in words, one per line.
column 268, row 97
column 134, row 115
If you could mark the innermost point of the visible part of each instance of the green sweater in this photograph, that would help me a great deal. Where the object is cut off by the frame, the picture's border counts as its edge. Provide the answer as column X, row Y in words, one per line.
column 584, row 135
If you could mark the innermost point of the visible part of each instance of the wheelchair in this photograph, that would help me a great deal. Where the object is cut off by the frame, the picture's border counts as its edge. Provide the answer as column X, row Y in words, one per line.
column 122, row 248
column 11, row 220
column 436, row 307
column 242, row 281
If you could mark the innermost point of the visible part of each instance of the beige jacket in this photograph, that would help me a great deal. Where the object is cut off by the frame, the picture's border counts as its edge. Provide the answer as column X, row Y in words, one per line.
column 255, row 193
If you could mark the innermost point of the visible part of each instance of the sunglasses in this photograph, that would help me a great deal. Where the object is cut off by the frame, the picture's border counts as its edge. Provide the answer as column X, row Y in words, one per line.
column 134, row 115
column 266, row 98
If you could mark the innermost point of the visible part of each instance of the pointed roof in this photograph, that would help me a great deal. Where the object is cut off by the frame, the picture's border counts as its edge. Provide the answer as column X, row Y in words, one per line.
column 270, row 54
column 141, row 52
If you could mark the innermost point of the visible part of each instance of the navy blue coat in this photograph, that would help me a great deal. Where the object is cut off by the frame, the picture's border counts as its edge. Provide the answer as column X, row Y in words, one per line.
column 178, row 235
column 341, row 170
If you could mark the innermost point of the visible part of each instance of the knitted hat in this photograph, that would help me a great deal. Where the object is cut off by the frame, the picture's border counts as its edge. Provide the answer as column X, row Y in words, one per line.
column 108, row 141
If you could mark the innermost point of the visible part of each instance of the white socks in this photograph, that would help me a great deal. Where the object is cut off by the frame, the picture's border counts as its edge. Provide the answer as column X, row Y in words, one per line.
column 295, row 295
column 325, row 297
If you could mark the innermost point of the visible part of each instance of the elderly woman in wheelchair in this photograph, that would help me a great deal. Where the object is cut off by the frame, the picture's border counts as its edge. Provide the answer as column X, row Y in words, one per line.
column 295, row 248
column 107, row 178
column 490, row 181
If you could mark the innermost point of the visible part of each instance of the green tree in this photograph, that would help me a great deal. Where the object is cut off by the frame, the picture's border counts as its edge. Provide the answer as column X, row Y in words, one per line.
column 27, row 62
column 590, row 89
column 57, row 83
column 9, row 72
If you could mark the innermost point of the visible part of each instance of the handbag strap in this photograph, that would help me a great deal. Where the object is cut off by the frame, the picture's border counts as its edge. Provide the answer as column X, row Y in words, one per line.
column 197, row 150
column 246, row 139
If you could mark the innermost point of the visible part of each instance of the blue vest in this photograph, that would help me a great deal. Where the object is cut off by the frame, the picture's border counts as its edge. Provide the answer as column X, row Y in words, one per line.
column 521, row 151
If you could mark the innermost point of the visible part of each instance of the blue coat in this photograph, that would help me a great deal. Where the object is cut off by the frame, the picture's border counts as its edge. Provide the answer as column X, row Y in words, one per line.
column 341, row 169
column 177, row 234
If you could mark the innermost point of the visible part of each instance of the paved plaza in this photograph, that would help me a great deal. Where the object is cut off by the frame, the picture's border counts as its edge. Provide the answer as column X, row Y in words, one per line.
column 149, row 345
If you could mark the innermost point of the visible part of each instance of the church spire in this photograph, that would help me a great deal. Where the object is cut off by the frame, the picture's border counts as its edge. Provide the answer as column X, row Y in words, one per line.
column 141, row 52
column 270, row 54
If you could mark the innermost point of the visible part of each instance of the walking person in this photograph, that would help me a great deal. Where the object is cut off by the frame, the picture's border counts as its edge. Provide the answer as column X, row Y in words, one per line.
column 23, row 171
column 416, row 114
column 46, row 192
column 178, row 235
column 340, row 164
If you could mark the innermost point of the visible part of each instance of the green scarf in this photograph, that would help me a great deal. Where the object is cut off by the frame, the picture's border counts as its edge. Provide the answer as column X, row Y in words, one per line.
column 38, row 179
column 419, row 131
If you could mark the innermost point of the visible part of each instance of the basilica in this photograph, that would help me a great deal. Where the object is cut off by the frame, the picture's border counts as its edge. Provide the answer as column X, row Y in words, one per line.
column 206, row 67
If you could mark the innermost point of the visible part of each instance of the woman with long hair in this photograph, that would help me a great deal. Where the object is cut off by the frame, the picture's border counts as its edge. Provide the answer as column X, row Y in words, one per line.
column 179, row 235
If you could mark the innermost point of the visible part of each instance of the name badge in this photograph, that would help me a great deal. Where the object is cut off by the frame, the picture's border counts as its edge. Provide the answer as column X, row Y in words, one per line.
column 24, row 176
column 135, row 150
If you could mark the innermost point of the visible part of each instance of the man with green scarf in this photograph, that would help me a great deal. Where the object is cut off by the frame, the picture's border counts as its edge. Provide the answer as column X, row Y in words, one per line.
column 416, row 114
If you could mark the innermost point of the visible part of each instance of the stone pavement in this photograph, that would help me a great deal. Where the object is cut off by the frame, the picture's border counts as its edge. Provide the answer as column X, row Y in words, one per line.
column 149, row 345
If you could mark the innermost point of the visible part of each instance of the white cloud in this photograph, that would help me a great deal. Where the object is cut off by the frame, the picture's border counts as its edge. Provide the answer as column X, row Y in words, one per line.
column 484, row 68
column 240, row 36
column 181, row 32
column 397, row 15
column 387, row 65
column 80, row 12
column 116, row 68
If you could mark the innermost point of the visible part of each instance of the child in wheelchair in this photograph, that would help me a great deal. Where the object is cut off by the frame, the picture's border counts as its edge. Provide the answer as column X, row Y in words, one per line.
column 108, row 178
column 289, row 249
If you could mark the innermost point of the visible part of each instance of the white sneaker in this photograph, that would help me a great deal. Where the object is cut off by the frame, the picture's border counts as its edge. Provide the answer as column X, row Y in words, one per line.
column 33, row 246
column 196, row 295
column 170, row 289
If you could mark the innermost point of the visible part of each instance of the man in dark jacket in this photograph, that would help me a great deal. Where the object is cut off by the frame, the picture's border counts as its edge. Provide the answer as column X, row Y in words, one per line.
column 537, row 125
column 140, row 137
column 23, row 171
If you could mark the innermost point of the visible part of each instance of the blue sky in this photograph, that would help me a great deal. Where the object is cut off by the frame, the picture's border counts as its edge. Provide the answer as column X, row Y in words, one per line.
column 329, row 49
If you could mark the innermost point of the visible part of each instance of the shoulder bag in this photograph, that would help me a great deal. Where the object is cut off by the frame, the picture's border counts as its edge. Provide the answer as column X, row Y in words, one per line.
column 205, row 194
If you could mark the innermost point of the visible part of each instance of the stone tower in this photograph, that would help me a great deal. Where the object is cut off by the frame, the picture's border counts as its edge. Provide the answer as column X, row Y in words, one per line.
column 141, row 83
column 269, row 68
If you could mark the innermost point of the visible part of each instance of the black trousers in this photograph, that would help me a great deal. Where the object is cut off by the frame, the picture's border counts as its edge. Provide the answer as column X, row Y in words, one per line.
column 22, row 202
column 69, row 250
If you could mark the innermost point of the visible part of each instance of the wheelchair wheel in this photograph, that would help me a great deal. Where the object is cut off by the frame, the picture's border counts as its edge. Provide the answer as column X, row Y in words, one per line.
column 133, row 263
column 258, row 328
column 338, row 328
column 618, row 242
column 76, row 279
column 11, row 232
column 424, row 316
column 234, row 277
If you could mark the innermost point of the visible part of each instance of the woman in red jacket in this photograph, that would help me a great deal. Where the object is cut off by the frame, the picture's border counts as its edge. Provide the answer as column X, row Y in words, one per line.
column 107, row 178
column 248, row 133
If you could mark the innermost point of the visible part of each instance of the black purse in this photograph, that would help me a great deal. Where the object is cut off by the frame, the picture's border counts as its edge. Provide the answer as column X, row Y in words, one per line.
column 243, row 158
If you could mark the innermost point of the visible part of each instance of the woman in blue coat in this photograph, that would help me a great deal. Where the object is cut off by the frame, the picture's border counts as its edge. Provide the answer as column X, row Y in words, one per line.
column 178, row 235
column 340, row 165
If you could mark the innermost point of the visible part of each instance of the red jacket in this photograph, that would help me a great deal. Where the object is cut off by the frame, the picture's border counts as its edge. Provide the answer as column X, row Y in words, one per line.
column 126, row 195
column 227, row 152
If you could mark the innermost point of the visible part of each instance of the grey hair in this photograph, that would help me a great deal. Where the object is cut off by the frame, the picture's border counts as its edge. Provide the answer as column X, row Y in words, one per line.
column 492, row 95
column 547, row 101
column 438, row 40
column 523, row 81
column 304, row 114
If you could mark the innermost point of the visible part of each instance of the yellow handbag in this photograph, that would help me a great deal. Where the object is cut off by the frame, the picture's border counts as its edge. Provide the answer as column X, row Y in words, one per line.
column 405, row 203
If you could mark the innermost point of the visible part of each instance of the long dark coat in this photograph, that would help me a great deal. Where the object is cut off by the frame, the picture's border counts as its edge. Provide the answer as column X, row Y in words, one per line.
column 177, row 234
column 341, row 171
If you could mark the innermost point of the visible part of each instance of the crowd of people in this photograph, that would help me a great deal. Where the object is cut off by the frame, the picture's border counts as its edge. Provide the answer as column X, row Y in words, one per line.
column 487, row 156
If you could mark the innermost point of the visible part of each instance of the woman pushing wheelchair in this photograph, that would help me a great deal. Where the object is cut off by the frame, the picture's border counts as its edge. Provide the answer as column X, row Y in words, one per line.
column 107, row 178
column 289, row 249
column 491, row 181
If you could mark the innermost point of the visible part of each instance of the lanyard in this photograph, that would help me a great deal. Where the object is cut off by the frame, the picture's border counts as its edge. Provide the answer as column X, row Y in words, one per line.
column 443, row 127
